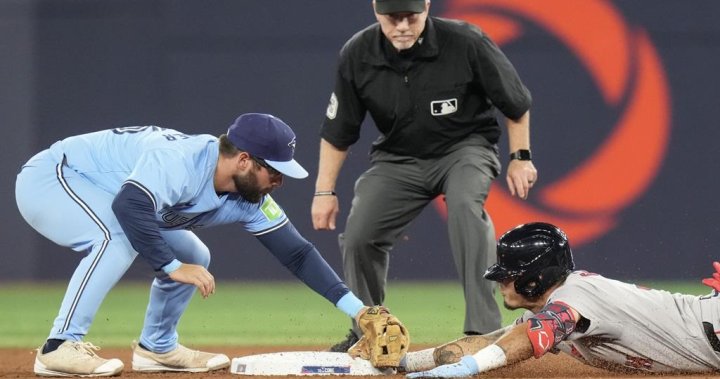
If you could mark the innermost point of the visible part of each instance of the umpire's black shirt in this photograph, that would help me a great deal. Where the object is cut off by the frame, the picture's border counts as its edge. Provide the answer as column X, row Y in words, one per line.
column 428, row 99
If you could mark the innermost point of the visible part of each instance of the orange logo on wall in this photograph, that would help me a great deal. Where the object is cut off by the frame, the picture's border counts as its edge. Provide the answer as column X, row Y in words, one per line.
column 626, row 69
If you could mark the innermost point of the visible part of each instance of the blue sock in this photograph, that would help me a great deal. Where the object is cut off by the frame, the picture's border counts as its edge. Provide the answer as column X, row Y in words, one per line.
column 51, row 345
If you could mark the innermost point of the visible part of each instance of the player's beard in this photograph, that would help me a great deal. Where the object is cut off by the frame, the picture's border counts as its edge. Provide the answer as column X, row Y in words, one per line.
column 247, row 187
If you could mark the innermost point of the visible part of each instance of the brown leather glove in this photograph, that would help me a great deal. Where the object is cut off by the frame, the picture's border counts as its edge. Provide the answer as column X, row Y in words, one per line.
column 385, row 339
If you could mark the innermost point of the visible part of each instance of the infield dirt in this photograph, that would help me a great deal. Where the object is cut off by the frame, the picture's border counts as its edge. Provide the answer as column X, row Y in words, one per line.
column 18, row 363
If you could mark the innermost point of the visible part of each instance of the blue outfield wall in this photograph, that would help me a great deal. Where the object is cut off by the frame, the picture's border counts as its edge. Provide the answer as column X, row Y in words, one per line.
column 623, row 127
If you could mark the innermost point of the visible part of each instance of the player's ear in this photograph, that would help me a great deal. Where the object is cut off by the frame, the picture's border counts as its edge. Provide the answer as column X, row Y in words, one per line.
column 242, row 160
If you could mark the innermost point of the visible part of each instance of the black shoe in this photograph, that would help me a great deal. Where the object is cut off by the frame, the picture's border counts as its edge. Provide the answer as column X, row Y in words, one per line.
column 344, row 345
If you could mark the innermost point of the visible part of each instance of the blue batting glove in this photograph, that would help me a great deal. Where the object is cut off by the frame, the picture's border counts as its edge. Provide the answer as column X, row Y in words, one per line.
column 466, row 367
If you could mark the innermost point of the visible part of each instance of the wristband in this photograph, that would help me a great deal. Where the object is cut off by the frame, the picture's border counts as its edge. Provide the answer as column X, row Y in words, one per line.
column 350, row 304
column 325, row 193
column 491, row 357
column 172, row 266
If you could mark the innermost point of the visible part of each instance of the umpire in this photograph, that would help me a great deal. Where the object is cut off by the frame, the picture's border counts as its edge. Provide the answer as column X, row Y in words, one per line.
column 432, row 87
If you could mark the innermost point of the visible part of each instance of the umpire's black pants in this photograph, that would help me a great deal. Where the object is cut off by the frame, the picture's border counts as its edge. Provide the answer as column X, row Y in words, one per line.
column 393, row 192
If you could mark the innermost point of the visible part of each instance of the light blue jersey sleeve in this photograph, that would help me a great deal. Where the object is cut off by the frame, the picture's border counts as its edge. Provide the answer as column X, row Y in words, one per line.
column 269, row 217
column 256, row 218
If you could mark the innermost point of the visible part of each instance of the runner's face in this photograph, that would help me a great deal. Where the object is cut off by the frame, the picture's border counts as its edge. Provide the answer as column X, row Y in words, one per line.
column 511, row 299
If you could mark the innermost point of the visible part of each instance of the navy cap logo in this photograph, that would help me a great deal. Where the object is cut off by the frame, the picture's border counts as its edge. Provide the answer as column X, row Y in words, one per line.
column 264, row 136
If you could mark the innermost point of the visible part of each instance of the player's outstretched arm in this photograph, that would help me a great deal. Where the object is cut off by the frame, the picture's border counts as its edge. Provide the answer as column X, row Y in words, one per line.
column 450, row 352
column 552, row 324
column 514, row 346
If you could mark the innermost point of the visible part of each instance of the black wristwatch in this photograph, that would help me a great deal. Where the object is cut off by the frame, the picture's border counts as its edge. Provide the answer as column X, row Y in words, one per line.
column 521, row 155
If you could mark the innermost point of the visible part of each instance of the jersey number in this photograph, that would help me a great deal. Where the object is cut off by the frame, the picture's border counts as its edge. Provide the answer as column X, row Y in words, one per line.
column 135, row 129
column 138, row 129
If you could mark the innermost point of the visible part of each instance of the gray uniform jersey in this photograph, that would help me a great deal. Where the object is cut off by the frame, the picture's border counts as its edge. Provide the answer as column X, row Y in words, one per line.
column 631, row 327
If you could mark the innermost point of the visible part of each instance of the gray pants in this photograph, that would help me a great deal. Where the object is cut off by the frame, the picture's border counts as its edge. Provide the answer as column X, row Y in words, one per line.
column 393, row 192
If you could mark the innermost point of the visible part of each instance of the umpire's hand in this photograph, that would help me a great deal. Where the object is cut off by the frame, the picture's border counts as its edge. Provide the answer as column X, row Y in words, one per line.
column 196, row 275
column 324, row 210
column 521, row 176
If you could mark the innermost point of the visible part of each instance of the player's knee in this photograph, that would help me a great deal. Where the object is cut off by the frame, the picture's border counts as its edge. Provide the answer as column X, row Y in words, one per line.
column 201, row 256
column 205, row 257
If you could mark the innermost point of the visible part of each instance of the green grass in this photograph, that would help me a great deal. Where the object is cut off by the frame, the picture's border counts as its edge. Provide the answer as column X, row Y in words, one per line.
column 247, row 313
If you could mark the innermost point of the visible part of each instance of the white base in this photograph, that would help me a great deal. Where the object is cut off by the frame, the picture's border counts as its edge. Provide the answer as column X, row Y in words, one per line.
column 303, row 363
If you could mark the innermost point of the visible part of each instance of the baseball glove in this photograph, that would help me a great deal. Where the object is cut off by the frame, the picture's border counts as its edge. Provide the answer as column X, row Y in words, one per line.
column 385, row 339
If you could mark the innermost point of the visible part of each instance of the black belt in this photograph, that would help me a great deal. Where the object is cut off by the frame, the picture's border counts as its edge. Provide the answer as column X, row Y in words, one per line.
column 711, row 336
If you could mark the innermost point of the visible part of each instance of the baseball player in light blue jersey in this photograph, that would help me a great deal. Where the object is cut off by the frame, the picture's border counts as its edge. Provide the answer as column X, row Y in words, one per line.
column 601, row 322
column 114, row 194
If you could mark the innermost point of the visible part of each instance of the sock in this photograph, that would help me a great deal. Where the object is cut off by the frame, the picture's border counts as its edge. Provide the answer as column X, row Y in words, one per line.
column 51, row 345
column 143, row 346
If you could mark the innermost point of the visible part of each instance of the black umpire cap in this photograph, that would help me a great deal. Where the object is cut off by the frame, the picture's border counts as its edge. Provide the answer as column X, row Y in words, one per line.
column 399, row 6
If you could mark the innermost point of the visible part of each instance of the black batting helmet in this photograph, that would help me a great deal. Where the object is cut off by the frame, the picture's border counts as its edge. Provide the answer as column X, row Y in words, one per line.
column 537, row 255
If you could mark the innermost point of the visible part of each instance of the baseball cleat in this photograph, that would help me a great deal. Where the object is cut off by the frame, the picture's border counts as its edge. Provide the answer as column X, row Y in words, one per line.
column 181, row 359
column 75, row 358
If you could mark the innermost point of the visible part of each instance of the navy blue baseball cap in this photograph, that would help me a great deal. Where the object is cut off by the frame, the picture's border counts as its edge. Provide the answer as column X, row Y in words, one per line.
column 399, row 6
column 268, row 137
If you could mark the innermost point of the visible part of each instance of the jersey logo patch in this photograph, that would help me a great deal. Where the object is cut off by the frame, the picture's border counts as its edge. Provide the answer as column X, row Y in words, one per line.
column 542, row 339
column 443, row 107
column 270, row 209
column 332, row 108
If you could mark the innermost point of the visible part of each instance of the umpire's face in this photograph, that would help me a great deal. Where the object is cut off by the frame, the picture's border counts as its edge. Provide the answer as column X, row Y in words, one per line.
column 404, row 28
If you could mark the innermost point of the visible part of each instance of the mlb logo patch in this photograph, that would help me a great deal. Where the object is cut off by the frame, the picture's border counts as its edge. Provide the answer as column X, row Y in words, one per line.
column 443, row 107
